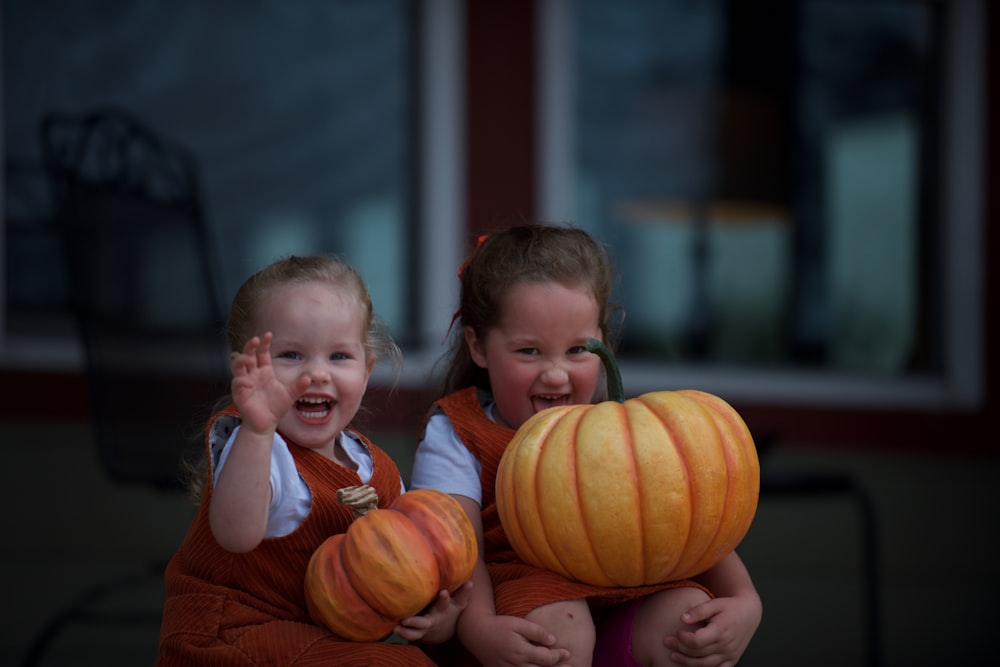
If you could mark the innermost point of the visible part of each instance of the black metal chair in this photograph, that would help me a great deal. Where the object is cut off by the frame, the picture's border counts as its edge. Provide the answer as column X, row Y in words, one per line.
column 145, row 294
column 144, row 288
column 795, row 485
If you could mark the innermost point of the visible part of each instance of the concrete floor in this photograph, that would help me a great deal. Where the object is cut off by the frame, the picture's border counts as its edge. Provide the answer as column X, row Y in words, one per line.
column 69, row 529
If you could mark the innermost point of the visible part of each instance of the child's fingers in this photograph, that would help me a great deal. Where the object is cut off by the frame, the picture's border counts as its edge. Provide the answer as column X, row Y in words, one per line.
column 412, row 628
column 250, row 348
column 461, row 597
column 263, row 350
column 240, row 363
column 700, row 613
column 701, row 642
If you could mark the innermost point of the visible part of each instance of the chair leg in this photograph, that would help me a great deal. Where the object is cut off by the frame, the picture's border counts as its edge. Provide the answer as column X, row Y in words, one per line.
column 80, row 611
column 810, row 484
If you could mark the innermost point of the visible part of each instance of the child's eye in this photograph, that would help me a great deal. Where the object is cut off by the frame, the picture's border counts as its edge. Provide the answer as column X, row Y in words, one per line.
column 289, row 355
column 528, row 350
column 339, row 356
column 578, row 349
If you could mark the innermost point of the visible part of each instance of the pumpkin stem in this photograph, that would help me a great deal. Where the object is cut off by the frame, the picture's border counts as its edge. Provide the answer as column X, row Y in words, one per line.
column 616, row 392
column 361, row 499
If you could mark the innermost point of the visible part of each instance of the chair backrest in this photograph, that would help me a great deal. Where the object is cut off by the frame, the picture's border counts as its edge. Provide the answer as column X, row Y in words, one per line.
column 144, row 288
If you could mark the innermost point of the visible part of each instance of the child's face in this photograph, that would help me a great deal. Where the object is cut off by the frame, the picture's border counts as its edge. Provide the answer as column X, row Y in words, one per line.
column 318, row 332
column 536, row 356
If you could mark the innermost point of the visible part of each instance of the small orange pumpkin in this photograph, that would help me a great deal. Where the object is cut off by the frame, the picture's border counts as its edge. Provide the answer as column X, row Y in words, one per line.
column 629, row 492
column 390, row 563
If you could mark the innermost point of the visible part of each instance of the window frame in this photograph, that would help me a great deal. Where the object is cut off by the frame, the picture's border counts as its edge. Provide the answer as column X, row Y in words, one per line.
column 438, row 169
column 961, row 383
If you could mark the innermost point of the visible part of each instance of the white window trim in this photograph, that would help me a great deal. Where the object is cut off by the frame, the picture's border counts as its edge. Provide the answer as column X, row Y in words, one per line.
column 441, row 181
column 962, row 384
column 441, row 241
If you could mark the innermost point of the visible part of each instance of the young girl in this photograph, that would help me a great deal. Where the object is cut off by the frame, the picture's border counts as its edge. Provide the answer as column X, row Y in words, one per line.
column 531, row 296
column 304, row 341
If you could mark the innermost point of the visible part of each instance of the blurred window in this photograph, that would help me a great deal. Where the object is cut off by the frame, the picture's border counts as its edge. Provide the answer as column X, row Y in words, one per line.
column 301, row 115
column 773, row 176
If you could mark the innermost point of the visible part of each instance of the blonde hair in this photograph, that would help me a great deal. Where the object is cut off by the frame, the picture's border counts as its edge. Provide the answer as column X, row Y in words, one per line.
column 542, row 253
column 242, row 323
column 330, row 270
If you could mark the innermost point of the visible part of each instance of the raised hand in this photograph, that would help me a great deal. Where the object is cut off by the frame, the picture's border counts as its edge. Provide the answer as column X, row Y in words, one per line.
column 261, row 398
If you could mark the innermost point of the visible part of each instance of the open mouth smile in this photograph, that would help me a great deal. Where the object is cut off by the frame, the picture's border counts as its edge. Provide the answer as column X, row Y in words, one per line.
column 313, row 407
column 541, row 402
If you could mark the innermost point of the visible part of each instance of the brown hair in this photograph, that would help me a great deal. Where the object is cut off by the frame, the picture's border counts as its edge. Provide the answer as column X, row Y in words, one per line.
column 524, row 253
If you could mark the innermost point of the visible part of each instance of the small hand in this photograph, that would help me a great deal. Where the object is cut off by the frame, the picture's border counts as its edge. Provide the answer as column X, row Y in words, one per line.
column 437, row 623
column 261, row 398
column 508, row 641
column 729, row 625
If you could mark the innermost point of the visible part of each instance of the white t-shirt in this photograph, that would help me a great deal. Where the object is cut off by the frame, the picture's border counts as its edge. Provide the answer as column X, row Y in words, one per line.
column 290, row 495
column 443, row 461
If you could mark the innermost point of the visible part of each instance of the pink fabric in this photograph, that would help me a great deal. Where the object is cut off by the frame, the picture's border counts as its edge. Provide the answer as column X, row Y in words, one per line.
column 614, row 638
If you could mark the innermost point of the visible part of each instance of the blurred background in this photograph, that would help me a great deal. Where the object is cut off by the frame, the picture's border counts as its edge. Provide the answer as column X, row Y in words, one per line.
column 795, row 192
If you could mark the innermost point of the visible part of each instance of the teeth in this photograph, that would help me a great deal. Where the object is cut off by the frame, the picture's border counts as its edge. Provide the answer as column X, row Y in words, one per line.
column 314, row 406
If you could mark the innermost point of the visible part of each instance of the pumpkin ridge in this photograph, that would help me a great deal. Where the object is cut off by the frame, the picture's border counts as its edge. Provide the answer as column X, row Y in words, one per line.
column 556, row 545
column 721, row 533
column 527, row 514
column 385, row 562
column 586, row 526
column 389, row 564
column 711, row 543
column 641, row 506
column 629, row 436
column 676, row 442
column 677, row 502
column 733, row 437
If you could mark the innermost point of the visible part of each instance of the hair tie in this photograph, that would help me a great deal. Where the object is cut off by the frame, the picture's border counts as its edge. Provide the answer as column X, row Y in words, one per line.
column 472, row 253
column 461, row 274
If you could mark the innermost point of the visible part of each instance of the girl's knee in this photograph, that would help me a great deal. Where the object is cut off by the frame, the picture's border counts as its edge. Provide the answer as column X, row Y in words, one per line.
column 658, row 616
column 572, row 625
column 672, row 602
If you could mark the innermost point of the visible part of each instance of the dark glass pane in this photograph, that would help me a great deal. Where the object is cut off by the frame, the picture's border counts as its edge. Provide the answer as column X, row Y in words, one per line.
column 764, row 173
column 299, row 115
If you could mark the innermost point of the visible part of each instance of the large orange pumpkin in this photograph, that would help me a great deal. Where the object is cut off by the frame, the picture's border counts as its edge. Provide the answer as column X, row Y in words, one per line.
column 629, row 492
column 390, row 563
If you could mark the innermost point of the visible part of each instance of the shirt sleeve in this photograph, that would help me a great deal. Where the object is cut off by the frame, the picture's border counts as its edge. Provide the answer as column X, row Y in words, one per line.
column 442, row 462
column 290, row 495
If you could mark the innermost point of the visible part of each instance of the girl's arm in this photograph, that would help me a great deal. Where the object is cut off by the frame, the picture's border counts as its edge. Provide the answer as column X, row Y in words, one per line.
column 499, row 640
column 729, row 578
column 241, row 496
column 729, row 620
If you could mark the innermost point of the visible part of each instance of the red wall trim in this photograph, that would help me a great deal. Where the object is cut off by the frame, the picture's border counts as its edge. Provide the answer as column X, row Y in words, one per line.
column 41, row 395
column 62, row 397
column 501, row 188
column 500, row 113
column 501, row 176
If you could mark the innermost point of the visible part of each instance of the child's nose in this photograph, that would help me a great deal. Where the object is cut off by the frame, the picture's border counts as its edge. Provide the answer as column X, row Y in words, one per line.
column 318, row 373
column 555, row 375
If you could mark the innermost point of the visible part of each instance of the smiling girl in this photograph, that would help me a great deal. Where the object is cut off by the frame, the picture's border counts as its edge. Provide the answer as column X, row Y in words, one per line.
column 531, row 296
column 304, row 340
